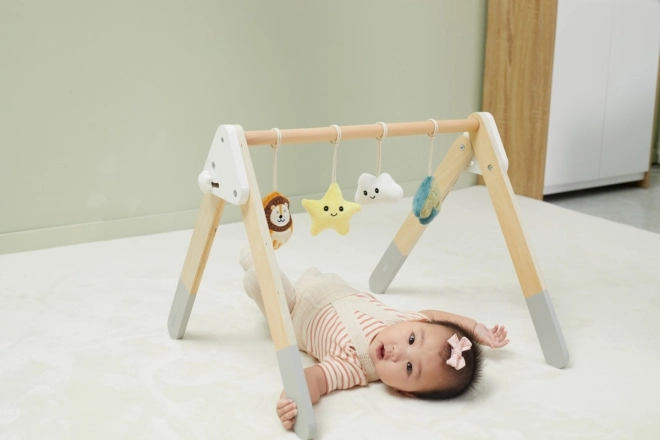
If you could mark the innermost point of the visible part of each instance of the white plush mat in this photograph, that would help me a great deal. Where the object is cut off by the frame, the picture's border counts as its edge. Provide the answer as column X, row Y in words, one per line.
column 85, row 353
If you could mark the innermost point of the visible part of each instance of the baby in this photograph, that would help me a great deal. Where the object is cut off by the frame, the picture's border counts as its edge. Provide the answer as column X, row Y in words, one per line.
column 358, row 339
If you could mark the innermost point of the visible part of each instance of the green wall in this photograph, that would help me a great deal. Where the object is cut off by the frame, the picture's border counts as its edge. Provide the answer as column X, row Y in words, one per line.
column 108, row 109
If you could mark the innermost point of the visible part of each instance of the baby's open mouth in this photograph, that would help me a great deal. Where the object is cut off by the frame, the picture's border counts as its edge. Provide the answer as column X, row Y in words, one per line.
column 380, row 352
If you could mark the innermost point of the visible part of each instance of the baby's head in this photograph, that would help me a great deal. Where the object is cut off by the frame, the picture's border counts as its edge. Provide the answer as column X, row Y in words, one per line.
column 412, row 356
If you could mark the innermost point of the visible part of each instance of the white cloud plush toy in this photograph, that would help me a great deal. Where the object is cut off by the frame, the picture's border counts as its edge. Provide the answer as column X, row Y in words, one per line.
column 372, row 189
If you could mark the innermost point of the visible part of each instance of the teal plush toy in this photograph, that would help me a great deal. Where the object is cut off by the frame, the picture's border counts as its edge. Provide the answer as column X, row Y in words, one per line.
column 426, row 203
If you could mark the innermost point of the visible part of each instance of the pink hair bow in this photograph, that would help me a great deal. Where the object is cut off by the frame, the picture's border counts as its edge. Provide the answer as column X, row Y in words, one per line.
column 457, row 348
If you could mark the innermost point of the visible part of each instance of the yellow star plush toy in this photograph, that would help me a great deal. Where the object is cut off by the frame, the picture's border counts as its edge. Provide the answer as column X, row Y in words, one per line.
column 332, row 211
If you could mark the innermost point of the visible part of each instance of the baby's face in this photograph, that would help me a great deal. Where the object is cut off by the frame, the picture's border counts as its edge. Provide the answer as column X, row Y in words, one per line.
column 407, row 355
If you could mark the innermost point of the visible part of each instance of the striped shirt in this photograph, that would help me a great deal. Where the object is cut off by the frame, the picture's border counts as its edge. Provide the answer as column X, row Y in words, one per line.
column 328, row 341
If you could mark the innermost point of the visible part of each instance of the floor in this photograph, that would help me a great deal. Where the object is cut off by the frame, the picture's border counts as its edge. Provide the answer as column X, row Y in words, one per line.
column 626, row 203
column 85, row 352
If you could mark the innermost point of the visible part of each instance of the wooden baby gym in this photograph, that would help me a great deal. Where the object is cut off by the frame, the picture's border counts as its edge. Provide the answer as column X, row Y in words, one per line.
column 228, row 176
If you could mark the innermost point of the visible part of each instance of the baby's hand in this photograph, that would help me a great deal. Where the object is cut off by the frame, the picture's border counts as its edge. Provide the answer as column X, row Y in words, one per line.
column 494, row 337
column 286, row 411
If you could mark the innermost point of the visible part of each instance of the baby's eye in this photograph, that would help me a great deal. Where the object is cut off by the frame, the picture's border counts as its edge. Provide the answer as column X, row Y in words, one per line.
column 411, row 339
column 376, row 190
column 365, row 193
column 325, row 208
column 409, row 368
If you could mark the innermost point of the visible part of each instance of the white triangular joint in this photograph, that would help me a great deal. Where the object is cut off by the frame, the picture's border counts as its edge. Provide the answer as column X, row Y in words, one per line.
column 494, row 135
column 224, row 171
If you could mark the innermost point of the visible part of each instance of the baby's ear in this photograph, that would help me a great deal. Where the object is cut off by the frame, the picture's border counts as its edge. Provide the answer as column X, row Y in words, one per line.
column 407, row 394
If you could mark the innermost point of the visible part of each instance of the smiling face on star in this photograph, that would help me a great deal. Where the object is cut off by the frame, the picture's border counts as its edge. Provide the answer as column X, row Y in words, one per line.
column 334, row 211
column 408, row 356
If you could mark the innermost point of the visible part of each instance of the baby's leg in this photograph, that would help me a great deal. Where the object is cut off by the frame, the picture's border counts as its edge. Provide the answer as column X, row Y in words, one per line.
column 252, row 288
column 310, row 272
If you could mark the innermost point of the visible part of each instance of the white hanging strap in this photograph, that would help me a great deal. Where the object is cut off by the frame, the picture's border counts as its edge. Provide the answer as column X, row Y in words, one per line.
column 275, row 147
column 380, row 142
column 334, row 153
column 432, row 136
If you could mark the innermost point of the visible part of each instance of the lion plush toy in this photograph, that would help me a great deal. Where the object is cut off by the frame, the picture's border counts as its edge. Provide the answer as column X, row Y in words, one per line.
column 278, row 216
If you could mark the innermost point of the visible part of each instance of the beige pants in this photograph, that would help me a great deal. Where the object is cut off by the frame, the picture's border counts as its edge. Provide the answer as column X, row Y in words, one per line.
column 318, row 288
column 251, row 282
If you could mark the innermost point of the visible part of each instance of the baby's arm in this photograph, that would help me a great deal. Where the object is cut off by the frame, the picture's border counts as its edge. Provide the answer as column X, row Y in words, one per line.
column 286, row 409
column 494, row 337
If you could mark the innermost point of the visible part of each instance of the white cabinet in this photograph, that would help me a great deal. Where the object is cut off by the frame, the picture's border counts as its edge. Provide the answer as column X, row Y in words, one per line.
column 602, row 101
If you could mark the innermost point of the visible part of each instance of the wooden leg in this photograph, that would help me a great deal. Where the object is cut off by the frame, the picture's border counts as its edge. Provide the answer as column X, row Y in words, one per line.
column 193, row 267
column 501, row 193
column 447, row 173
column 275, row 305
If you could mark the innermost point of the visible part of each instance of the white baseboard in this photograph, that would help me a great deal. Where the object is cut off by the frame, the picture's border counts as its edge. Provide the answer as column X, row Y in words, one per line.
column 23, row 241
column 554, row 189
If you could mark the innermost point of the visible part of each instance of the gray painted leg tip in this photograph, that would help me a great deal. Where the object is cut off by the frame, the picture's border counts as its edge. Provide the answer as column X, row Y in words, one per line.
column 548, row 330
column 295, row 387
column 174, row 332
column 560, row 362
column 386, row 270
column 180, row 312
column 376, row 286
column 305, row 431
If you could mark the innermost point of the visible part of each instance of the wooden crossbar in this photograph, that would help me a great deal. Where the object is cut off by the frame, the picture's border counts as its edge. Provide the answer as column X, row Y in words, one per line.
column 329, row 134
